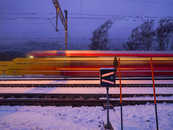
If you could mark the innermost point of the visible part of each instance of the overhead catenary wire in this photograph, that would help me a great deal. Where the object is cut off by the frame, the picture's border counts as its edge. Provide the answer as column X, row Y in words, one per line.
column 89, row 16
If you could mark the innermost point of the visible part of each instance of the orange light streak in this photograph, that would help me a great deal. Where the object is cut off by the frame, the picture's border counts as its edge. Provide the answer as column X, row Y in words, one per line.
column 154, row 90
column 119, row 74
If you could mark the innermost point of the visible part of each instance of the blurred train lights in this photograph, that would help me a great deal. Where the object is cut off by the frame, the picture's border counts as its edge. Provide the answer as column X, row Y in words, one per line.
column 31, row 57
column 84, row 53
column 77, row 62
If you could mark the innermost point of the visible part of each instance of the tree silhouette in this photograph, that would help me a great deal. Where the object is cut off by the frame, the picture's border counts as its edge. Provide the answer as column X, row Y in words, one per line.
column 163, row 33
column 99, row 40
column 144, row 36
column 141, row 37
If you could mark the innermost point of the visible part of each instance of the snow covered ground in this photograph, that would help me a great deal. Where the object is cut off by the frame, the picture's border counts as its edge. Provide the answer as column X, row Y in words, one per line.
column 139, row 117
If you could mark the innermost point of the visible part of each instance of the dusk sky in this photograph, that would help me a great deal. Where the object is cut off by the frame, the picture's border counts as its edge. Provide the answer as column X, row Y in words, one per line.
column 26, row 20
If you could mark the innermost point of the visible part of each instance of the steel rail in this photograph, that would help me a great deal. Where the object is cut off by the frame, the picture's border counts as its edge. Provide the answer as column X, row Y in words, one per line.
column 75, row 99
column 78, row 78
column 77, row 95
column 74, row 102
column 82, row 85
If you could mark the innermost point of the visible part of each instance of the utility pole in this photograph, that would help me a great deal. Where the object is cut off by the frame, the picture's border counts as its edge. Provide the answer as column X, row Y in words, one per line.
column 66, row 29
column 63, row 19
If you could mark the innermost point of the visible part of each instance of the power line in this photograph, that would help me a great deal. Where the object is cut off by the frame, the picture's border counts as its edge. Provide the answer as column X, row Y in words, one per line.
column 77, row 13
column 91, row 17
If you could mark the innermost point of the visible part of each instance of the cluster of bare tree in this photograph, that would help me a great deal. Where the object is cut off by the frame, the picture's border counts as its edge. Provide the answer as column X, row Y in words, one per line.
column 146, row 37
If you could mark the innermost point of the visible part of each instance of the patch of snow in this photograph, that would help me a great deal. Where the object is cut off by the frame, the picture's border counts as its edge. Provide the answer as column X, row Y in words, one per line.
column 138, row 117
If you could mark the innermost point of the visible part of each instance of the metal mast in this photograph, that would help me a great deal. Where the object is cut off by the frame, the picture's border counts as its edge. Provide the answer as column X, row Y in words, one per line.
column 62, row 18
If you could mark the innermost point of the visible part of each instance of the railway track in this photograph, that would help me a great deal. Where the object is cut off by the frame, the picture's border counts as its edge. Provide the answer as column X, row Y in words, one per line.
column 80, row 92
column 25, row 78
column 74, row 101
column 73, row 96
column 81, row 96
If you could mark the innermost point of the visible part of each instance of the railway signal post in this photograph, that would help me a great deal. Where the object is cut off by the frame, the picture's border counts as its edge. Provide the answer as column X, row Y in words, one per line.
column 107, row 79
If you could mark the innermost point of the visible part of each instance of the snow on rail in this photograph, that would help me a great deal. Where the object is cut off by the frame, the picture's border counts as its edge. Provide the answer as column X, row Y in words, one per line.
column 85, row 90
column 84, row 82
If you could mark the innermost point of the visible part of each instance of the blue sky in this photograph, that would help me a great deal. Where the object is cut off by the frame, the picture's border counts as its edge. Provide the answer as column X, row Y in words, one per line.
column 25, row 20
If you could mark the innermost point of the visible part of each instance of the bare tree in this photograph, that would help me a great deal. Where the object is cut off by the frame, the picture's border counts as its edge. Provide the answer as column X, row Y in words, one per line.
column 163, row 33
column 141, row 37
column 99, row 40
